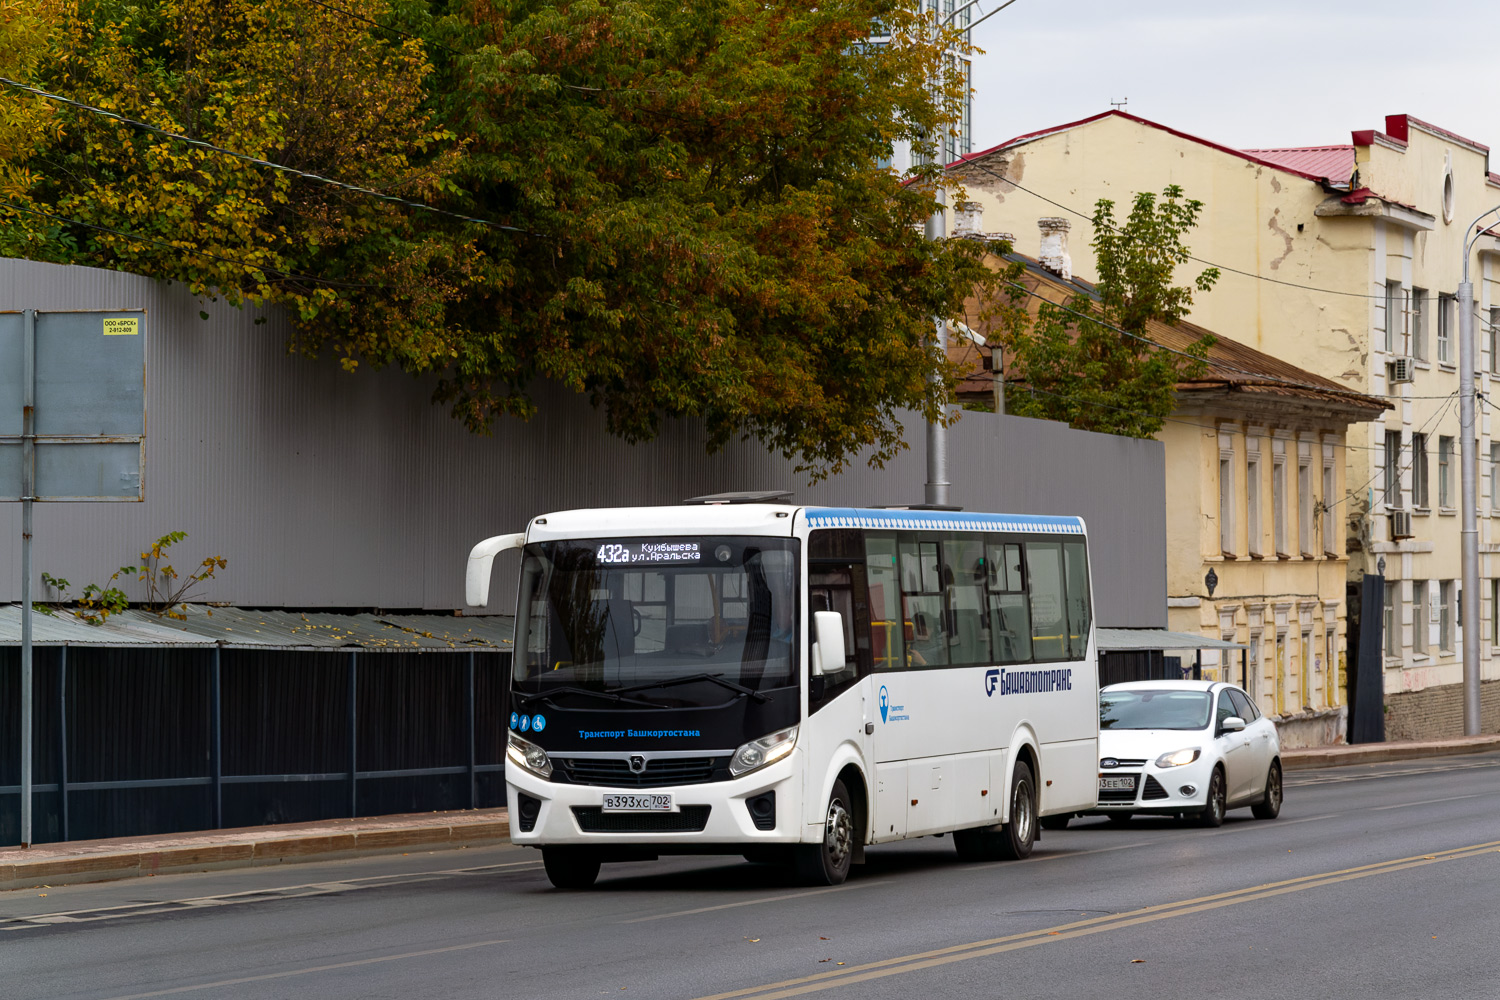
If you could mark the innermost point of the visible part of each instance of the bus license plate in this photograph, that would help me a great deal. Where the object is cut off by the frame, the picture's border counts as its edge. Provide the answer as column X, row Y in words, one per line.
column 627, row 803
column 1116, row 782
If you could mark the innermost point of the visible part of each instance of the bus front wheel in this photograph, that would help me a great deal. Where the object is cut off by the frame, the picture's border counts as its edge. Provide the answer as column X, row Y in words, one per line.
column 570, row 868
column 1014, row 840
column 828, row 863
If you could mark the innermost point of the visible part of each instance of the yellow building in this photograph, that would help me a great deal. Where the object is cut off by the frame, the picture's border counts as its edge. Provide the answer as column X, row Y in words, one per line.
column 1256, row 554
column 1341, row 260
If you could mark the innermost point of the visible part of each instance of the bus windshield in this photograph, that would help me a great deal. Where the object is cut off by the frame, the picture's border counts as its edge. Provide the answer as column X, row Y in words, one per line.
column 657, row 622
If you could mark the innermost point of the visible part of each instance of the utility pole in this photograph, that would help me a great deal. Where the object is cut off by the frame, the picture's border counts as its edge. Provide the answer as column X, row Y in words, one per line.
column 1469, row 608
column 936, row 493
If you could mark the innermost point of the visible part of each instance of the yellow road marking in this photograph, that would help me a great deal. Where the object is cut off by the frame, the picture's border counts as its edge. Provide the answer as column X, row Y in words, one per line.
column 1082, row 928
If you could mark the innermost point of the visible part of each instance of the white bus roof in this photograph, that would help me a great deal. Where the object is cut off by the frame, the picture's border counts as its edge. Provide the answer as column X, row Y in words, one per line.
column 778, row 519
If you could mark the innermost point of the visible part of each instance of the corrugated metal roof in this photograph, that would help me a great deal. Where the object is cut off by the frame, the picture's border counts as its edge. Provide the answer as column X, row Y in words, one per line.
column 1119, row 640
column 1333, row 162
column 1229, row 364
column 242, row 627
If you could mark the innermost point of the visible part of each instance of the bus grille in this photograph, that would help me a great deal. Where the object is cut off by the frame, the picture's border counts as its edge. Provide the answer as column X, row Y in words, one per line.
column 616, row 773
column 592, row 819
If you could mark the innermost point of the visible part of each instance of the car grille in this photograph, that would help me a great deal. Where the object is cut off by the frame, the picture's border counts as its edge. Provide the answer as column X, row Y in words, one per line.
column 1123, row 762
column 593, row 819
column 1153, row 790
column 615, row 771
column 1119, row 794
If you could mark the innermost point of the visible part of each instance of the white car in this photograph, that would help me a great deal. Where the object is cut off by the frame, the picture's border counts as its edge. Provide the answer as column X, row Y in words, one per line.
column 1186, row 747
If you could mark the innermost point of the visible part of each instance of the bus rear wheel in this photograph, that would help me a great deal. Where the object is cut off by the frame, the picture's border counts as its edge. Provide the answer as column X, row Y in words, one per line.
column 828, row 863
column 570, row 868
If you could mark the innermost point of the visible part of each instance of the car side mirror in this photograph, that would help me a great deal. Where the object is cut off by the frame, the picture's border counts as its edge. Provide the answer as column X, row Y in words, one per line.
column 1233, row 724
column 828, row 639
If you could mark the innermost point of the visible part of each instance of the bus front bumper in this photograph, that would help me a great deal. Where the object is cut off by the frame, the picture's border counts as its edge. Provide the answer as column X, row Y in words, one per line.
column 713, row 817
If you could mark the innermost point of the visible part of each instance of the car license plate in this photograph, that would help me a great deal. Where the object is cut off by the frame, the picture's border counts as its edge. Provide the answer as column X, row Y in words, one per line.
column 629, row 803
column 1116, row 782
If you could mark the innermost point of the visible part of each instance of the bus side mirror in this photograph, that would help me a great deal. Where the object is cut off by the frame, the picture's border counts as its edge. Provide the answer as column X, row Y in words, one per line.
column 481, row 561
column 828, row 639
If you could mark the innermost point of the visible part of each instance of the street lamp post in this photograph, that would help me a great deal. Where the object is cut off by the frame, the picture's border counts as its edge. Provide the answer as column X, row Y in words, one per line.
column 1469, row 482
column 936, row 492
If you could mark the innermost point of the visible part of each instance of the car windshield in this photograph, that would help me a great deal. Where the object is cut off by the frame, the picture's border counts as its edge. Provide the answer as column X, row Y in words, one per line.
column 667, row 622
column 1154, row 709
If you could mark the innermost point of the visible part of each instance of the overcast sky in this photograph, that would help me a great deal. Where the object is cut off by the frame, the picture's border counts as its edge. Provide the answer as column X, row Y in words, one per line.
column 1245, row 74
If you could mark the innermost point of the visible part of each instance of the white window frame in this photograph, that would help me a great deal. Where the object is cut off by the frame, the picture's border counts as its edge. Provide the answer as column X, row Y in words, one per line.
column 1278, row 497
column 1394, row 309
column 1417, row 323
column 1445, row 472
column 1419, row 616
column 1255, row 533
column 1331, row 540
column 1445, row 311
column 1419, row 472
column 1304, row 499
column 1445, row 615
column 1226, row 494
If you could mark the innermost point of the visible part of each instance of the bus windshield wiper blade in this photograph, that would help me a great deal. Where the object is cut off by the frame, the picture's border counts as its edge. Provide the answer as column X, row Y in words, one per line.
column 688, row 679
column 610, row 696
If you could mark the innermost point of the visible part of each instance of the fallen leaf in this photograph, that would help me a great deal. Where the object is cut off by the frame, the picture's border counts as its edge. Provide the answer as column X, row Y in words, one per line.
column 1053, row 933
column 42, row 894
column 822, row 939
column 822, row 960
column 841, row 963
column 755, row 940
column 1137, row 961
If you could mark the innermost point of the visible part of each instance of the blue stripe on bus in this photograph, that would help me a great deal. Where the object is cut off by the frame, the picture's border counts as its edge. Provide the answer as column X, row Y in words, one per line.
column 936, row 520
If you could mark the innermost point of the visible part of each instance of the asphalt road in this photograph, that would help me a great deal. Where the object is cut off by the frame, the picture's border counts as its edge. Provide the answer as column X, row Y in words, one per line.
column 1377, row 881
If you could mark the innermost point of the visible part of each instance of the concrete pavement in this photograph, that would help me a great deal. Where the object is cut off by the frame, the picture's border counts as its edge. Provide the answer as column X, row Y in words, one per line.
column 131, row 857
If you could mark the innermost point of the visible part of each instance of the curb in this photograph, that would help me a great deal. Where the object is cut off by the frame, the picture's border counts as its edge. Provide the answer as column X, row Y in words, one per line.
column 106, row 865
column 1373, row 753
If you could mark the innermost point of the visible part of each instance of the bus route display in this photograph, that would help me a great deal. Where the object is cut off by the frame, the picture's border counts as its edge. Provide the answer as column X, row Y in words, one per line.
column 655, row 553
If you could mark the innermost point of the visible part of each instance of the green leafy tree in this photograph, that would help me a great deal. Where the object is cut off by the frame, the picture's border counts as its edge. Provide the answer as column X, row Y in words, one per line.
column 684, row 212
column 1090, row 361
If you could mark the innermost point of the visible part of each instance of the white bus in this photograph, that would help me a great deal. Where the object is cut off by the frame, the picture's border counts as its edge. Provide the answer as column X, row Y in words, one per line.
column 794, row 684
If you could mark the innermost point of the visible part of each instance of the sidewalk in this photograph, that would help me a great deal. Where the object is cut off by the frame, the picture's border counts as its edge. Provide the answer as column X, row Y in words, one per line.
column 130, row 857
column 1374, row 753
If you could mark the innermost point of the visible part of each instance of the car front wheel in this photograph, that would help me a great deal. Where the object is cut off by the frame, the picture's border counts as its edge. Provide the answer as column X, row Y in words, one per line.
column 1213, row 811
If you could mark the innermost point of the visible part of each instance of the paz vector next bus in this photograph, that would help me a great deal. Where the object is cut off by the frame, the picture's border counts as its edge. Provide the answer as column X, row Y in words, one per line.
column 794, row 684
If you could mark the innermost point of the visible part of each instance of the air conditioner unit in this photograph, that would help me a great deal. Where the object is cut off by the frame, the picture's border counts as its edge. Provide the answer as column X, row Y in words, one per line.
column 1400, row 524
column 1403, row 369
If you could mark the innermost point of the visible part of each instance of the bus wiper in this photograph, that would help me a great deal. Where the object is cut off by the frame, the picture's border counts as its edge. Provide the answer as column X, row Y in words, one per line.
column 609, row 696
column 716, row 678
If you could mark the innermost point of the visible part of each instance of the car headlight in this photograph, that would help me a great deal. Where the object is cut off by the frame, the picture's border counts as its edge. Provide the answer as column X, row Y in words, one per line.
column 766, row 750
column 1177, row 758
column 528, row 755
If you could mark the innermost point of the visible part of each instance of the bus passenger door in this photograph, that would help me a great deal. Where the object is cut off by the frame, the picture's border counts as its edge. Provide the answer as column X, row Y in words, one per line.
column 840, row 703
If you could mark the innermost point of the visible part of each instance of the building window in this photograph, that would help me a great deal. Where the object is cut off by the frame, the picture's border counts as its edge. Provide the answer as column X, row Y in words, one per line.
column 1252, row 500
column 1393, row 468
column 1330, row 523
column 1495, row 476
column 1332, row 689
column 1305, row 676
column 1419, row 613
column 1419, row 471
column 1445, row 466
column 1393, row 305
column 1278, row 503
column 1280, row 673
column 1445, row 615
column 1226, row 495
column 1389, row 623
column 1252, row 682
column 1493, row 338
column 1495, row 612
column 1304, row 506
column 1445, row 315
column 1418, row 325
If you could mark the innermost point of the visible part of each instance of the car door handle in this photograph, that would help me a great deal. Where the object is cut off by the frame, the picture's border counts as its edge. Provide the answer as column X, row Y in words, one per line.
column 869, row 728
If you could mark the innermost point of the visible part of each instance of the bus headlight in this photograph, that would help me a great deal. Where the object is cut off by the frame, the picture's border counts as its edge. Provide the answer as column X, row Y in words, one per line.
column 767, row 750
column 525, row 754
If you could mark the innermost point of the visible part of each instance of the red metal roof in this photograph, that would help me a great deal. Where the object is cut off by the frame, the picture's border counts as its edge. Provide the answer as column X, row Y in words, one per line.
column 1333, row 162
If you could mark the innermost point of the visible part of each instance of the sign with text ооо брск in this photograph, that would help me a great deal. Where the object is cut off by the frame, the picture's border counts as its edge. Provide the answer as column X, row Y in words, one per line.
column 87, row 383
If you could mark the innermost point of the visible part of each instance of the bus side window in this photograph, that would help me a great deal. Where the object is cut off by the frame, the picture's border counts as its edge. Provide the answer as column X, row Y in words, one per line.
column 1010, row 619
column 887, row 631
column 926, row 624
column 1076, row 563
column 963, row 557
column 1049, row 617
